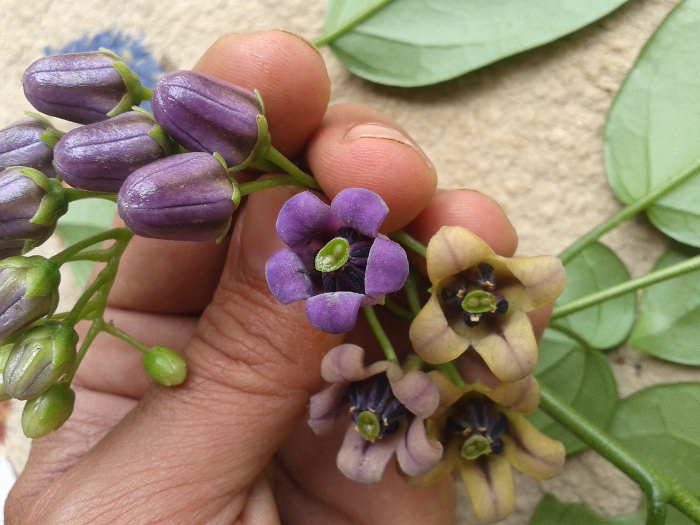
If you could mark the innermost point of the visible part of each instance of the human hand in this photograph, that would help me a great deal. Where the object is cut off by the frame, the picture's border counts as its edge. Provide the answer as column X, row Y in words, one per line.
column 231, row 445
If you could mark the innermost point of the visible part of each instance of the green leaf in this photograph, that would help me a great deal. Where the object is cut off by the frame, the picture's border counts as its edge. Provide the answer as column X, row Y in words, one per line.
column 85, row 218
column 669, row 323
column 659, row 425
column 421, row 42
column 551, row 511
column 652, row 132
column 580, row 376
column 606, row 324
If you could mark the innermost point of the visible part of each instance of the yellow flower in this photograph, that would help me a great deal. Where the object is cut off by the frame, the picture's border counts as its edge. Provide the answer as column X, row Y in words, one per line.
column 480, row 300
column 484, row 434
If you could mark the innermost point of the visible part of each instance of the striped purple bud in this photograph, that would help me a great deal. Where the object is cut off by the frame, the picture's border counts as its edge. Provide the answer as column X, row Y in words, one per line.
column 29, row 142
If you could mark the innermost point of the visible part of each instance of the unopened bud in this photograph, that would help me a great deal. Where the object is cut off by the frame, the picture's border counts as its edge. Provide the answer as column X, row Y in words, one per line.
column 4, row 354
column 186, row 197
column 48, row 412
column 165, row 366
column 28, row 292
column 29, row 142
column 39, row 358
column 82, row 87
column 100, row 156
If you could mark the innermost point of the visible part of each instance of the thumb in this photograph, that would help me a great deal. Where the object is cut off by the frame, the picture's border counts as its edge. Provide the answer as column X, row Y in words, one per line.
column 195, row 450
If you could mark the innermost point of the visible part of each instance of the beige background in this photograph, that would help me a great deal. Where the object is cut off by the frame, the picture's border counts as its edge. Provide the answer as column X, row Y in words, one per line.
column 526, row 131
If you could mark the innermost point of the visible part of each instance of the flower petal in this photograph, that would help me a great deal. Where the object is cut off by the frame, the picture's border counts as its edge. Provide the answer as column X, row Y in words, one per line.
column 489, row 482
column 305, row 217
column 530, row 451
column 361, row 209
column 543, row 279
column 363, row 461
column 417, row 392
column 510, row 353
column 454, row 249
column 335, row 312
column 433, row 339
column 450, row 459
column 326, row 406
column 387, row 267
column 416, row 452
column 287, row 277
column 344, row 364
column 449, row 392
column 522, row 396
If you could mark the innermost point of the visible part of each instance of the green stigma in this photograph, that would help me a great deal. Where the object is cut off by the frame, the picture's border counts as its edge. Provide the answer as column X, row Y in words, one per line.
column 475, row 446
column 368, row 425
column 333, row 255
column 479, row 302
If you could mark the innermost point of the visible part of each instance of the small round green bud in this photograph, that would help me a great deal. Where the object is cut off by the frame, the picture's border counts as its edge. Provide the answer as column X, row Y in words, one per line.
column 39, row 358
column 165, row 366
column 48, row 412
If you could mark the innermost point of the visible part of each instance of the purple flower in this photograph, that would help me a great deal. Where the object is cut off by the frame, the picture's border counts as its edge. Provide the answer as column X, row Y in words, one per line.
column 82, row 87
column 186, row 197
column 388, row 407
column 29, row 142
column 204, row 113
column 99, row 156
column 336, row 258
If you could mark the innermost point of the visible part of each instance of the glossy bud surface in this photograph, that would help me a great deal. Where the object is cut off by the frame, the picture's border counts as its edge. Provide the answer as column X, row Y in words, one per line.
column 29, row 142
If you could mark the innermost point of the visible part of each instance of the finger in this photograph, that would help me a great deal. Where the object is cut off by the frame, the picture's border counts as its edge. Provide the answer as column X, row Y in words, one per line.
column 359, row 143
column 176, row 277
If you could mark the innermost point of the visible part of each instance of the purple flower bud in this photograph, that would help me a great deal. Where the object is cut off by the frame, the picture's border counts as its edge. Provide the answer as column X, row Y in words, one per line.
column 207, row 114
column 49, row 411
column 82, row 87
column 186, row 197
column 98, row 157
column 28, row 292
column 29, row 142
column 30, row 205
column 39, row 358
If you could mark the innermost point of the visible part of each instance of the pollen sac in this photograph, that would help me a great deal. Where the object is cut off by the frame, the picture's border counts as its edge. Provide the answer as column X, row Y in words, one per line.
column 82, row 87
column 100, row 156
column 203, row 113
column 29, row 142
column 186, row 197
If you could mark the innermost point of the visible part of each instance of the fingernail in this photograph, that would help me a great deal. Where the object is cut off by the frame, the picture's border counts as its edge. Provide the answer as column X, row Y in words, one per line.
column 255, row 228
column 380, row 131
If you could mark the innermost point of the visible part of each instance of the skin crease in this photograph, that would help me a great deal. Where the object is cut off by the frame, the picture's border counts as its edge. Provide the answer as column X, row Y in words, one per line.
column 231, row 445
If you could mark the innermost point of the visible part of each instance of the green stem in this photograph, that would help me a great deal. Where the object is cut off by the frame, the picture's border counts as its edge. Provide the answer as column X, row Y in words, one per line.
column 630, row 211
column 658, row 486
column 116, row 332
column 91, row 255
column 257, row 185
column 102, row 278
column 146, row 93
column 670, row 272
column 76, row 195
column 93, row 332
column 287, row 165
column 380, row 335
column 451, row 372
column 121, row 235
column 397, row 310
column 402, row 237
column 411, row 289
column 326, row 39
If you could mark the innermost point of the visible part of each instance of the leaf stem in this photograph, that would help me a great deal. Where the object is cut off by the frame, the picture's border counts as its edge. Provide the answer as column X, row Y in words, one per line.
column 287, row 165
column 397, row 310
column 404, row 238
column 118, row 234
column 411, row 289
column 451, row 372
column 74, row 194
column 327, row 39
column 630, row 211
column 670, row 272
column 659, row 487
column 247, row 188
column 120, row 334
column 380, row 335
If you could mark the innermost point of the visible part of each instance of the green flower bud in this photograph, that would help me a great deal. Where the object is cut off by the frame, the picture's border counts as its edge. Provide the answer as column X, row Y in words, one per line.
column 39, row 358
column 4, row 354
column 48, row 412
column 165, row 366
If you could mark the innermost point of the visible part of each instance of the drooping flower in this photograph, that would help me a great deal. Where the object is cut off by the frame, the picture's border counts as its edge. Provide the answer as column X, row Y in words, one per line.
column 335, row 259
column 480, row 300
column 387, row 407
column 484, row 434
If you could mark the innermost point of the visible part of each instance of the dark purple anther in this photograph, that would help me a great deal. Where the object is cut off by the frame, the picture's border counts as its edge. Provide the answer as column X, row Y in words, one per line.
column 82, row 87
column 100, row 156
column 30, row 205
column 29, row 142
column 204, row 113
column 186, row 197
